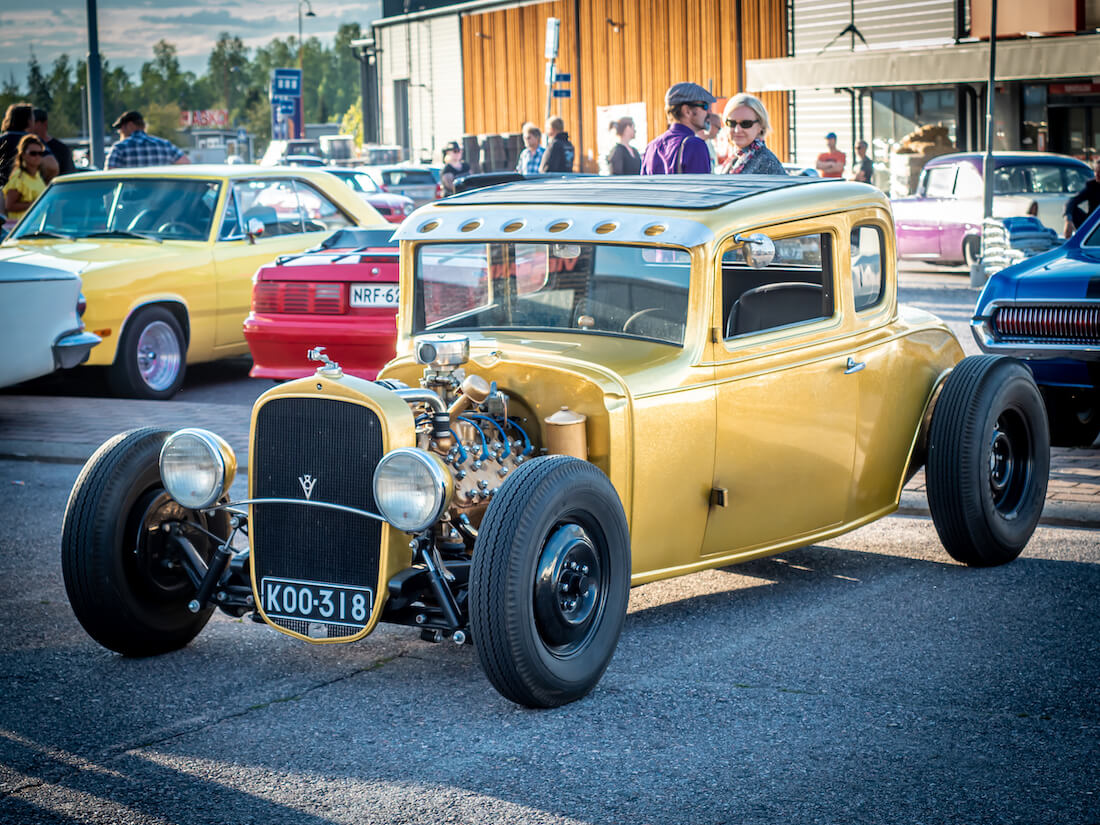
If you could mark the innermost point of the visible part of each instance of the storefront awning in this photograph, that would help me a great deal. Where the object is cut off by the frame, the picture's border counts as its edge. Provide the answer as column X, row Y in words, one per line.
column 1033, row 59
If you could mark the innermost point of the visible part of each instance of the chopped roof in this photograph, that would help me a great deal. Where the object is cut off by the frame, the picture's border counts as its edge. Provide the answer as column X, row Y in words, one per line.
column 666, row 191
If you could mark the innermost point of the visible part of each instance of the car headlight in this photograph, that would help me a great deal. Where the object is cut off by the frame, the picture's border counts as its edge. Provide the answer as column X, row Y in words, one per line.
column 196, row 467
column 409, row 208
column 412, row 488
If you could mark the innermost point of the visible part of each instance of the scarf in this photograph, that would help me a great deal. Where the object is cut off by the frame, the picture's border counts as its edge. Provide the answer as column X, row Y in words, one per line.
column 737, row 162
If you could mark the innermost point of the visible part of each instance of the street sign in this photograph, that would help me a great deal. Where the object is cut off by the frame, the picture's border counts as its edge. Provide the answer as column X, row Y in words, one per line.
column 242, row 135
column 286, row 83
column 553, row 25
column 563, row 77
column 562, row 93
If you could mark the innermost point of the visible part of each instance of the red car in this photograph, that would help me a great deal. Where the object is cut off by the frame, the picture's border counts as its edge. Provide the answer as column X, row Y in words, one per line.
column 341, row 295
column 393, row 207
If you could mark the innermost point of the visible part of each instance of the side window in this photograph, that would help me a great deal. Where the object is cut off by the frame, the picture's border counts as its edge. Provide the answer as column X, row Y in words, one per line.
column 969, row 183
column 867, row 266
column 272, row 202
column 318, row 212
column 795, row 288
column 231, row 222
column 941, row 182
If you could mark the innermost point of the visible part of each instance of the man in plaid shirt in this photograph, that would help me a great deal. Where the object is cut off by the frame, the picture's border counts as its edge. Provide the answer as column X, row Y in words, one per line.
column 135, row 148
column 529, row 158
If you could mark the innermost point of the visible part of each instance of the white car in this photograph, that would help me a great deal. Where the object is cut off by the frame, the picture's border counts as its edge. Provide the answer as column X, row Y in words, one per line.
column 40, row 326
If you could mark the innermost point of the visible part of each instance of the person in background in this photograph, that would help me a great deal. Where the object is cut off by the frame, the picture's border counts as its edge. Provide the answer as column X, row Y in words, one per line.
column 24, row 185
column 747, row 125
column 708, row 133
column 679, row 150
column 453, row 167
column 559, row 150
column 1090, row 194
column 135, row 148
column 18, row 120
column 61, row 153
column 862, row 167
column 623, row 159
column 530, row 157
column 831, row 162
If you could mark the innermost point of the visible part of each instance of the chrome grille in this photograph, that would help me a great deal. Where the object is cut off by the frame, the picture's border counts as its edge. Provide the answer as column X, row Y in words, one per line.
column 338, row 444
column 1055, row 324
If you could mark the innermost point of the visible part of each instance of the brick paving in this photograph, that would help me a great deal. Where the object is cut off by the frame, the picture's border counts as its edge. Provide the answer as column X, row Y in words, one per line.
column 70, row 429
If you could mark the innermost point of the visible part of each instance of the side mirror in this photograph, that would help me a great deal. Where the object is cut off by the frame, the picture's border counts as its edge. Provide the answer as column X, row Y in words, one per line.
column 255, row 228
column 759, row 249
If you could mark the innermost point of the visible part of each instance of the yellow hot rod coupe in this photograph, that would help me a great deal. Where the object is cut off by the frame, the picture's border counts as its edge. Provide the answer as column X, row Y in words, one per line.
column 599, row 383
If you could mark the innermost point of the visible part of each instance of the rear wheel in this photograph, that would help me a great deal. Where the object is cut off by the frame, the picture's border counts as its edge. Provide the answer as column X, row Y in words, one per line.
column 122, row 572
column 549, row 582
column 972, row 250
column 988, row 460
column 151, row 357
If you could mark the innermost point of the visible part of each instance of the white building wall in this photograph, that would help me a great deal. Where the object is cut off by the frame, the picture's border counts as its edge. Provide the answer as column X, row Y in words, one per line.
column 428, row 53
column 884, row 24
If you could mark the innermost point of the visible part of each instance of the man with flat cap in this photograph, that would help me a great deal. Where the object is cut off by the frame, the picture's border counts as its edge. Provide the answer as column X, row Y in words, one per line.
column 135, row 148
column 679, row 150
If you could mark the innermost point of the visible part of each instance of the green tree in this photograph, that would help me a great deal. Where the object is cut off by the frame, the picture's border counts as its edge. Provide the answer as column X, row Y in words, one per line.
column 228, row 70
column 38, row 87
column 65, row 113
column 163, row 81
column 352, row 124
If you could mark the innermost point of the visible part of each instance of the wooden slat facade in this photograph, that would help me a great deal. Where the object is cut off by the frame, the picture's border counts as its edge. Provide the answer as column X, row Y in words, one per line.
column 629, row 51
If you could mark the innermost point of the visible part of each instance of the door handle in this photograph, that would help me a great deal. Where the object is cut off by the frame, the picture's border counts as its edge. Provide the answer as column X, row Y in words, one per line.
column 853, row 366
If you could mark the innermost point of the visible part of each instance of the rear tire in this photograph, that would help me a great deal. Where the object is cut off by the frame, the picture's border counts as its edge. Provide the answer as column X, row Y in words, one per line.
column 988, row 460
column 972, row 250
column 124, row 583
column 550, row 581
column 151, row 358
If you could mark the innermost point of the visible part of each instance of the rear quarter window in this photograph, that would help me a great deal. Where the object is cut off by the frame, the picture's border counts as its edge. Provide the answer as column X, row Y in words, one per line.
column 867, row 267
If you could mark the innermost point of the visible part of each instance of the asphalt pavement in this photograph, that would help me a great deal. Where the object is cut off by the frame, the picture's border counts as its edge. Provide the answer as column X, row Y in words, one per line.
column 69, row 429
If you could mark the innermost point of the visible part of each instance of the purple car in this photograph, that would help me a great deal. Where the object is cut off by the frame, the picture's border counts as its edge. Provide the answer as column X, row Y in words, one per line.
column 942, row 222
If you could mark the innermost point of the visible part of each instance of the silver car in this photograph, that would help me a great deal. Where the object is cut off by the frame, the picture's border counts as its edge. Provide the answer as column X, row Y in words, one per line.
column 416, row 182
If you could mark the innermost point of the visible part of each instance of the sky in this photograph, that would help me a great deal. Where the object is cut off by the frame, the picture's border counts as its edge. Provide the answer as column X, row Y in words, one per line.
column 129, row 28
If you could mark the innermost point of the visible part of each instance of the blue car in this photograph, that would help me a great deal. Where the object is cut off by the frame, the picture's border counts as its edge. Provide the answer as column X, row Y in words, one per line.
column 1046, row 311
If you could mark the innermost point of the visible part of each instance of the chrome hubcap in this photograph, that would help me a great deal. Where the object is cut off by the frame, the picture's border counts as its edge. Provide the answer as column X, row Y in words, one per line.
column 158, row 356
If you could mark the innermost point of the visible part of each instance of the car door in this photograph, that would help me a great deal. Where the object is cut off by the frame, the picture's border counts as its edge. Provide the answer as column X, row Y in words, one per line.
column 263, row 218
column 786, row 411
column 920, row 219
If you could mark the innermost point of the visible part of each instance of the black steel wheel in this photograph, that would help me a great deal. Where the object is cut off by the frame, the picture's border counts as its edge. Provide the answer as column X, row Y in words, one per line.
column 1074, row 418
column 122, row 572
column 988, row 460
column 550, row 581
column 152, row 356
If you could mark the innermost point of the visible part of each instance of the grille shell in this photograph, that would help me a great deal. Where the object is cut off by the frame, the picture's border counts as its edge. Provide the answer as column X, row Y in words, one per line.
column 1048, row 324
column 338, row 443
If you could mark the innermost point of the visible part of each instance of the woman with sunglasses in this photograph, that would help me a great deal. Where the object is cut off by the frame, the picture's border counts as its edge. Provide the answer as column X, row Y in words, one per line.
column 746, row 126
column 25, row 184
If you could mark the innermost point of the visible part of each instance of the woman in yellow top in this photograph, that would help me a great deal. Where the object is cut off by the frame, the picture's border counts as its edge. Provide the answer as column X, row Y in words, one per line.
column 25, row 184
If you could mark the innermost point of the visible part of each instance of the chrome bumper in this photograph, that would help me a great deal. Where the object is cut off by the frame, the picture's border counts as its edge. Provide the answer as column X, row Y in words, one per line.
column 73, row 348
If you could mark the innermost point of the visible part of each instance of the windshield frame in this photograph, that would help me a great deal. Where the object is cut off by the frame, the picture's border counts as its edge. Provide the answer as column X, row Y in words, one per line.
column 502, row 272
column 36, row 218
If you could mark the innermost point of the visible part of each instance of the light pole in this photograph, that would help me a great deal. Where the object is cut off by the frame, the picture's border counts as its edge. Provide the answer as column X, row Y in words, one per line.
column 301, row 71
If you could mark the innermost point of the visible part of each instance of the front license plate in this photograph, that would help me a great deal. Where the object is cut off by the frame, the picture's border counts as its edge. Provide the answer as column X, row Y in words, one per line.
column 374, row 295
column 316, row 601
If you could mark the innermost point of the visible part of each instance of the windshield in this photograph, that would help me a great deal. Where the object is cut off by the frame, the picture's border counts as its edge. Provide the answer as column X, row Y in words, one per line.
column 161, row 209
column 587, row 288
column 1038, row 179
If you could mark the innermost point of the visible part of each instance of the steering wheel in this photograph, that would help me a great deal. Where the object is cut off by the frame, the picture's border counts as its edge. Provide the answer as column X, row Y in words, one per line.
column 169, row 226
column 137, row 219
column 639, row 314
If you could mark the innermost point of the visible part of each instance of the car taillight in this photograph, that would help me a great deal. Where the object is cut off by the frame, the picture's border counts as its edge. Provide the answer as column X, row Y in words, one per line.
column 81, row 305
column 438, row 191
column 384, row 187
column 299, row 297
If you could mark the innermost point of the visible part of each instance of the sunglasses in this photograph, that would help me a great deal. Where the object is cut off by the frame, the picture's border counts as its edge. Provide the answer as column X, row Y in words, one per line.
column 744, row 124
column 700, row 105
column 36, row 154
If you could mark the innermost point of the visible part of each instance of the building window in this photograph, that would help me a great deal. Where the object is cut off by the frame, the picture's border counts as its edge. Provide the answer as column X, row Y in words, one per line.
column 1034, row 137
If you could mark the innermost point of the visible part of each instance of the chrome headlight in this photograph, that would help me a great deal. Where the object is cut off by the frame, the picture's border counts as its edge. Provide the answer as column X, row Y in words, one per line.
column 196, row 467
column 412, row 488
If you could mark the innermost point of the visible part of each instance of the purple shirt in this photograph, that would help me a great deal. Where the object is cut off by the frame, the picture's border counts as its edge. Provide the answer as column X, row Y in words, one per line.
column 660, row 154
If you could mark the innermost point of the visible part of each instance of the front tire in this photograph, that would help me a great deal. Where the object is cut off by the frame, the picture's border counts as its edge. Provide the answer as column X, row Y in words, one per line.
column 122, row 575
column 550, row 581
column 151, row 358
column 988, row 460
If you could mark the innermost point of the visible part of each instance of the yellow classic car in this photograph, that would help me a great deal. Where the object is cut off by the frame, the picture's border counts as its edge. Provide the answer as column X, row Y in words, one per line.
column 599, row 383
column 167, row 255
